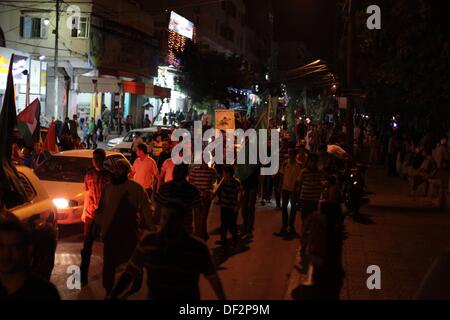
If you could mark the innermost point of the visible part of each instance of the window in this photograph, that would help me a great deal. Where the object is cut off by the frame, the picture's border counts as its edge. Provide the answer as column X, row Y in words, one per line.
column 68, row 169
column 80, row 27
column 33, row 27
column 28, row 187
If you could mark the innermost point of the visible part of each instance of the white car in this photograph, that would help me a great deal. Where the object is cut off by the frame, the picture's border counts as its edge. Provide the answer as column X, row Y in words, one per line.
column 39, row 213
column 124, row 146
column 114, row 142
column 38, row 208
column 62, row 175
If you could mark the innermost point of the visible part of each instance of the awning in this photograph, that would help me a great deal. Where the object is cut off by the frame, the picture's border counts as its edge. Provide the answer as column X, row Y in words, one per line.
column 145, row 89
column 86, row 85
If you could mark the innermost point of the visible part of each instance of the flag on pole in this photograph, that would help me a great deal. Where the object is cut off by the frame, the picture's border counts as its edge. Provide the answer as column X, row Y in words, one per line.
column 50, row 140
column 28, row 123
column 10, row 185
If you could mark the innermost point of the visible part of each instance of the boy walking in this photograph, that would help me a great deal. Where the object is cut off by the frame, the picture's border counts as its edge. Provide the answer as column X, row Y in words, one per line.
column 229, row 194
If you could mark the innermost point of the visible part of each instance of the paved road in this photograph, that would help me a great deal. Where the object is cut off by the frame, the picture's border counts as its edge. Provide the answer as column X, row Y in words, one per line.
column 260, row 270
column 400, row 235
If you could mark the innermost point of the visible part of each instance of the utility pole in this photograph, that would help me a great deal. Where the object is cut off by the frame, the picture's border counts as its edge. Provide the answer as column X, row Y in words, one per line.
column 350, row 81
column 56, row 31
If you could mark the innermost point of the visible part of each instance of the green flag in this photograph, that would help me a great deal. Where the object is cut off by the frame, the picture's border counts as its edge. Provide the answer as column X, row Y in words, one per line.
column 10, row 186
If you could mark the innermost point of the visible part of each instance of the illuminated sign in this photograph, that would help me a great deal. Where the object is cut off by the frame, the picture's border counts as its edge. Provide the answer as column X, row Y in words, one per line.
column 21, row 63
column 181, row 25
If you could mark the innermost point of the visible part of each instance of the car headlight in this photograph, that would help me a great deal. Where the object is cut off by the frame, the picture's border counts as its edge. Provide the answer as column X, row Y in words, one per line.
column 61, row 203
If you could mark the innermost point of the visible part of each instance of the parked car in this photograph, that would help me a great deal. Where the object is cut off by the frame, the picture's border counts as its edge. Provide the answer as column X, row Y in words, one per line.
column 38, row 208
column 114, row 142
column 39, row 213
column 124, row 146
column 62, row 176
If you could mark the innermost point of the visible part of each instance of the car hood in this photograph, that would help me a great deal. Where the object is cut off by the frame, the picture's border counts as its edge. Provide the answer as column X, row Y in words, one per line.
column 66, row 190
column 115, row 140
column 123, row 145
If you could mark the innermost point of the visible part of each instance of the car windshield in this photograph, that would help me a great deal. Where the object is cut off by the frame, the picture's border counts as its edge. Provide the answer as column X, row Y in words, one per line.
column 68, row 169
column 129, row 137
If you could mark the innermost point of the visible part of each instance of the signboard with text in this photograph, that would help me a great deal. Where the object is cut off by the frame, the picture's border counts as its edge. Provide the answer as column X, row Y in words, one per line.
column 181, row 25
column 225, row 119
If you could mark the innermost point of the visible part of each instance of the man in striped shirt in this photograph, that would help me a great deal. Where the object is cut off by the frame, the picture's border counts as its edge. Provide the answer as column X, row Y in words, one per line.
column 204, row 178
column 181, row 190
column 229, row 193
column 311, row 182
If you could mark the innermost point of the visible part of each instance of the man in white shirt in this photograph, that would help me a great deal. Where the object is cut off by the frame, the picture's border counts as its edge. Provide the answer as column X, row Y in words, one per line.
column 145, row 170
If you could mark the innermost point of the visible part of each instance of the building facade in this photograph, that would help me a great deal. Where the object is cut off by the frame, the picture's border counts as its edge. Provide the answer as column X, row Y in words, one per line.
column 107, row 56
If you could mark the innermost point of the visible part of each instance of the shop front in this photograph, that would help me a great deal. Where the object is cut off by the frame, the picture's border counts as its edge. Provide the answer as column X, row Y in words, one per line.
column 116, row 98
column 30, row 77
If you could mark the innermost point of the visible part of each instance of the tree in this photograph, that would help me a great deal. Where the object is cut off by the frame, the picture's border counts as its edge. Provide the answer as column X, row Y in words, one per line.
column 207, row 76
column 405, row 65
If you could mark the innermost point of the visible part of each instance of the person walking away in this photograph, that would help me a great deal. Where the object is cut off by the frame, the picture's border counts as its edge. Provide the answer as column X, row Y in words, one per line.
column 310, row 184
column 147, row 121
column 86, row 133
column 203, row 178
column 180, row 189
column 291, row 171
column 73, row 126
column 66, row 126
column 123, row 205
column 321, row 259
column 248, row 174
column 17, row 281
column 99, row 129
column 165, row 120
column 278, row 177
column 144, row 170
column 229, row 193
column 302, row 156
column 267, row 182
column 91, row 132
column 173, row 260
column 95, row 182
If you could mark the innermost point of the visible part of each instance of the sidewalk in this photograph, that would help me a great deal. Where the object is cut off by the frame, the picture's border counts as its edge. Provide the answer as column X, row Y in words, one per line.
column 400, row 235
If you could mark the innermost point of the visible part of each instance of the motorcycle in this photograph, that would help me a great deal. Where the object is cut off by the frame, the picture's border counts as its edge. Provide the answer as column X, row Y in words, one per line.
column 353, row 189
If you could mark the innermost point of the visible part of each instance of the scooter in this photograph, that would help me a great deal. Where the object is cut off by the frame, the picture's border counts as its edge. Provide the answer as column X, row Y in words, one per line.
column 353, row 189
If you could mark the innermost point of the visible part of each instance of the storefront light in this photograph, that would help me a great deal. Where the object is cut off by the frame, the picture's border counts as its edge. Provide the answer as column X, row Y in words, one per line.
column 41, row 58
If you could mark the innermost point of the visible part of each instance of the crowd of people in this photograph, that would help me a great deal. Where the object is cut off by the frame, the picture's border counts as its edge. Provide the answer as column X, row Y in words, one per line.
column 152, row 214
